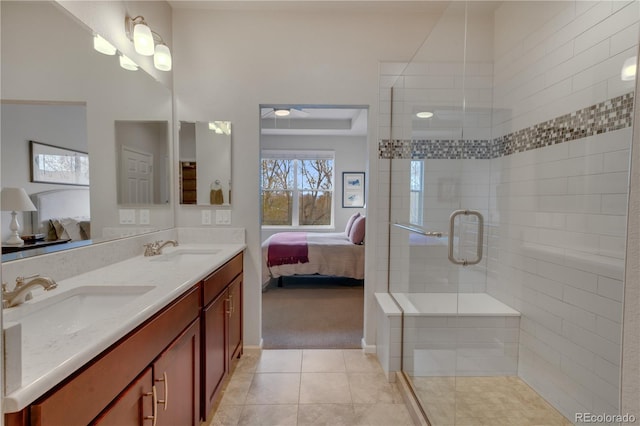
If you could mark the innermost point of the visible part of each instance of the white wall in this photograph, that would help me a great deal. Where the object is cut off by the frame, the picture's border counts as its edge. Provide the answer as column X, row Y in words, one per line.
column 348, row 158
column 63, row 125
column 329, row 56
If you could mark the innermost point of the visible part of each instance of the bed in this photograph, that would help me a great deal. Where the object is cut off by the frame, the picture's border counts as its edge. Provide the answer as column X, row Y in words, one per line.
column 62, row 214
column 339, row 254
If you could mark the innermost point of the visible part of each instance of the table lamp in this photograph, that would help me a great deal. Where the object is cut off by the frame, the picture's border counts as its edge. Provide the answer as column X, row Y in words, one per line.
column 15, row 200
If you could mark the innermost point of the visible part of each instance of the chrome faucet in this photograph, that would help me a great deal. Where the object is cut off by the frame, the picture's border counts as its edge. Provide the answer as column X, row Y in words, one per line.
column 22, row 292
column 155, row 248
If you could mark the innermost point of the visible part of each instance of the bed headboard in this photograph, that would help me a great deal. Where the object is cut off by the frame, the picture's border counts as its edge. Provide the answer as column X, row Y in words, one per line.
column 59, row 203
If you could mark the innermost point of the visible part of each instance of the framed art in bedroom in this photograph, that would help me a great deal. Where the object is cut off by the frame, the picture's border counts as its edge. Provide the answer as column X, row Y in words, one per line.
column 352, row 189
column 54, row 164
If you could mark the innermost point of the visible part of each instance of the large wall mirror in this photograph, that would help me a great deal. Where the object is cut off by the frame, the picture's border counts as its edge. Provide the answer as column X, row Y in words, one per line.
column 205, row 163
column 58, row 91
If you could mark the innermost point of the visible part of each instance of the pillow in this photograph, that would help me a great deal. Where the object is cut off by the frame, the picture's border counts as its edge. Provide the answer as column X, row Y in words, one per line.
column 356, row 235
column 59, row 229
column 352, row 219
column 71, row 228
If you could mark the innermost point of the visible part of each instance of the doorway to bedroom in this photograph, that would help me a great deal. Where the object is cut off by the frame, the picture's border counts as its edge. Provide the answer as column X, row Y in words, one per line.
column 313, row 211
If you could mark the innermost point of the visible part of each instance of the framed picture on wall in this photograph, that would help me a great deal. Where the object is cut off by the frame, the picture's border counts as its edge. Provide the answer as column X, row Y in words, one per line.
column 55, row 164
column 353, row 189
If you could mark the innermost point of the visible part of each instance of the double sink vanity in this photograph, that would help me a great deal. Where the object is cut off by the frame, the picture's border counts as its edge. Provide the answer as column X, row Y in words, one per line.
column 144, row 341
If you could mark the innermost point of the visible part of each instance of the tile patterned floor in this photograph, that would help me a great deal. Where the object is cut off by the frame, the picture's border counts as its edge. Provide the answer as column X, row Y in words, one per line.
column 479, row 401
column 309, row 387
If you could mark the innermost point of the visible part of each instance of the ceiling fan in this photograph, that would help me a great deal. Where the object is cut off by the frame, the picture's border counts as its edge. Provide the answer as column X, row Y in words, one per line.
column 288, row 112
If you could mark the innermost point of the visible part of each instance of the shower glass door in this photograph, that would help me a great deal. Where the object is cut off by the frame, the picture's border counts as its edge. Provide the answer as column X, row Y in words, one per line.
column 509, row 146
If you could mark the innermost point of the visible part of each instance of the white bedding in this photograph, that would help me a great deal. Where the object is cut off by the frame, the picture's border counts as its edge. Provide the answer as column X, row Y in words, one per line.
column 330, row 253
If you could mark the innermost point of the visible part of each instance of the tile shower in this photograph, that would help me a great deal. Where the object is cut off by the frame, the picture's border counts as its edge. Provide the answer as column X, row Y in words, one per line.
column 532, row 128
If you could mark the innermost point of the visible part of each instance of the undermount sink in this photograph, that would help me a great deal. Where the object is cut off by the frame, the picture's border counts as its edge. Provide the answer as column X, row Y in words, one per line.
column 72, row 310
column 184, row 253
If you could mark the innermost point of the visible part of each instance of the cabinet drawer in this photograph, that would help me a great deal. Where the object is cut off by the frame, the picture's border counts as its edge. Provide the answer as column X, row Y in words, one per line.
column 216, row 282
column 83, row 396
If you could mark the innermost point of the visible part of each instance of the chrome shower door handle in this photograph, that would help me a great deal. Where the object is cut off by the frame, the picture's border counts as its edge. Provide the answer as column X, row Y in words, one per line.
column 452, row 226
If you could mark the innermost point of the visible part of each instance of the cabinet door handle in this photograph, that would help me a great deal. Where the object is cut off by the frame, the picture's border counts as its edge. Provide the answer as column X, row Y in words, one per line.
column 164, row 401
column 154, row 406
column 233, row 308
column 228, row 308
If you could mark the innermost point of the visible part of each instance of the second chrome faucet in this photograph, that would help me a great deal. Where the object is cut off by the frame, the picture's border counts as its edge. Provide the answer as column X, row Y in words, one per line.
column 155, row 248
column 22, row 290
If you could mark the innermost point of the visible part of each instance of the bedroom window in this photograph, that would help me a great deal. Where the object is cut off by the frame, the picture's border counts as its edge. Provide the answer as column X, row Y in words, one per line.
column 297, row 188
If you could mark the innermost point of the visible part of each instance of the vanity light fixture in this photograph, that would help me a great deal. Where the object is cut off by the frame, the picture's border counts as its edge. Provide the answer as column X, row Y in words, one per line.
column 103, row 46
column 424, row 114
column 629, row 69
column 148, row 42
column 127, row 63
column 280, row 112
column 15, row 200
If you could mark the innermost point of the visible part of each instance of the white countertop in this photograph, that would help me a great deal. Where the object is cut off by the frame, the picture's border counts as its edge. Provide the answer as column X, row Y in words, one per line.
column 48, row 359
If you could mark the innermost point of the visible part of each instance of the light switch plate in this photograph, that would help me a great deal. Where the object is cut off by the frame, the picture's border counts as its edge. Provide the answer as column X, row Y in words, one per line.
column 206, row 217
column 143, row 216
column 127, row 216
column 223, row 217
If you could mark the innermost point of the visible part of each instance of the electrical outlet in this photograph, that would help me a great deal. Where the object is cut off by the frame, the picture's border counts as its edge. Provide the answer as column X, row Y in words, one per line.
column 223, row 217
column 206, row 217
column 127, row 216
column 143, row 217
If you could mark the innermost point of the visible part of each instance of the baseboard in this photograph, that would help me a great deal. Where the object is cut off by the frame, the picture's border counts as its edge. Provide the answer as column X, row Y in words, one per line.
column 254, row 347
column 367, row 349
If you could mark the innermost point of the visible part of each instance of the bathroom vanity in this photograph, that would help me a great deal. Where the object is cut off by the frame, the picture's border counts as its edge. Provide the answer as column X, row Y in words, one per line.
column 160, row 359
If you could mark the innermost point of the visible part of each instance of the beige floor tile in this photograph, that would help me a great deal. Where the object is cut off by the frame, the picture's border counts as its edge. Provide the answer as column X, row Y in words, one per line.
column 274, row 388
column 324, row 388
column 269, row 415
column 248, row 362
column 382, row 415
column 326, row 414
column 323, row 361
column 356, row 361
column 235, row 393
column 280, row 361
column 371, row 388
column 227, row 415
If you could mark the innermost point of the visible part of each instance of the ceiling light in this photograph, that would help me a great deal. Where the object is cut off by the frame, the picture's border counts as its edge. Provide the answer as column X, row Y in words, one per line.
column 281, row 112
column 127, row 63
column 162, row 57
column 629, row 69
column 424, row 114
column 142, row 37
column 103, row 46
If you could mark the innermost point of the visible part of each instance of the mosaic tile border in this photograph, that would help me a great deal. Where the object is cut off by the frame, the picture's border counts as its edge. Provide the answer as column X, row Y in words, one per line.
column 610, row 115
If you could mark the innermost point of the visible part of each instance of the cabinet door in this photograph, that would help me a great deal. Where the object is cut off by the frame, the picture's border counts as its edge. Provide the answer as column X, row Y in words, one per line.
column 235, row 318
column 176, row 376
column 215, row 365
column 134, row 406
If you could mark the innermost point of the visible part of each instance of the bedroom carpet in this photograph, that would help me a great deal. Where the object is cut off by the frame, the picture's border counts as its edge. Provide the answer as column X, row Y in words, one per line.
column 312, row 315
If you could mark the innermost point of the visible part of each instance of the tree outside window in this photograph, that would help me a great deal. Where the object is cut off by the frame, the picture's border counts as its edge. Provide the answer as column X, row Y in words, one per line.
column 297, row 192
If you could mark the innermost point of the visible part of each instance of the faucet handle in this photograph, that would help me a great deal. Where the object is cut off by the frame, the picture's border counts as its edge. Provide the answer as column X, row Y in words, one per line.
column 20, row 280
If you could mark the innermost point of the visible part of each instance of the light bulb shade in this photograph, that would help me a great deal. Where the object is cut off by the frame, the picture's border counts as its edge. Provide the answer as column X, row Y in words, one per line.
column 103, row 46
column 282, row 112
column 424, row 114
column 128, row 64
column 162, row 58
column 629, row 69
column 143, row 39
column 16, row 199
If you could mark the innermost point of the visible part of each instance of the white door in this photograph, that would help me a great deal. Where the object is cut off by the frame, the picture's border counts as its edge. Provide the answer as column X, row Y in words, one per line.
column 137, row 176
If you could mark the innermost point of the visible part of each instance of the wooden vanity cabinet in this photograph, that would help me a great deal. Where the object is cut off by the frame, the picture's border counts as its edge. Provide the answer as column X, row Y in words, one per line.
column 222, row 328
column 134, row 406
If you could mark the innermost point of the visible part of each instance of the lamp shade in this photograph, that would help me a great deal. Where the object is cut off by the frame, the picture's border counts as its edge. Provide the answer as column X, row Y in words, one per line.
column 127, row 63
column 103, row 46
column 16, row 199
column 162, row 58
column 143, row 39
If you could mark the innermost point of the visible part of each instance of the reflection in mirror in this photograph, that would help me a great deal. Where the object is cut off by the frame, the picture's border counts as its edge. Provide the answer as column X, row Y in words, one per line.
column 142, row 149
column 79, row 94
column 205, row 163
